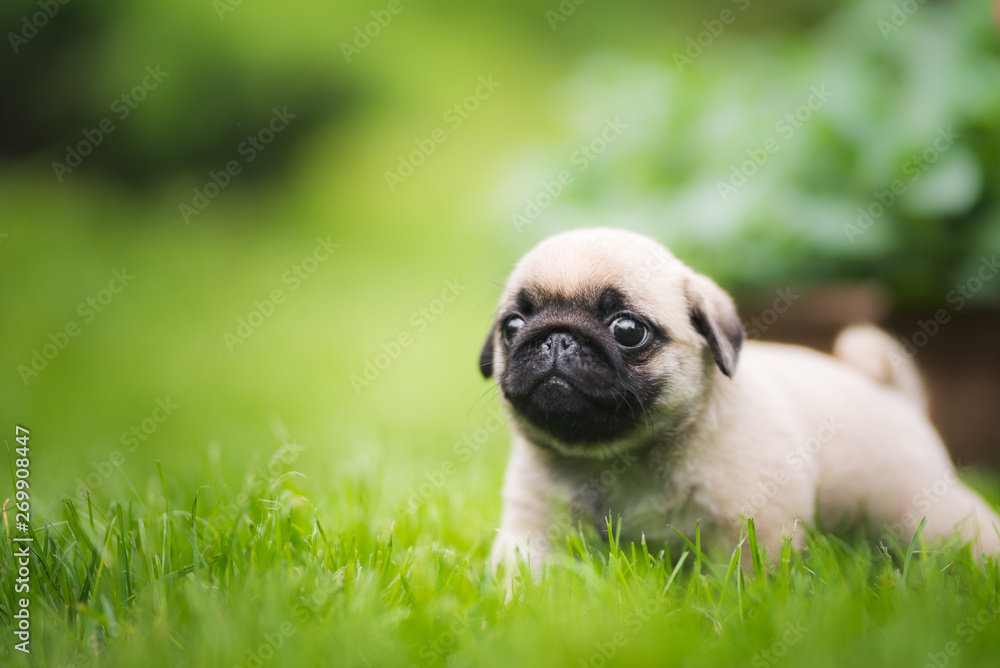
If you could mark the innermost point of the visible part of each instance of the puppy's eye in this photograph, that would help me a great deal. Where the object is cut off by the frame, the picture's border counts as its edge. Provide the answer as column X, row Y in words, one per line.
column 511, row 327
column 629, row 332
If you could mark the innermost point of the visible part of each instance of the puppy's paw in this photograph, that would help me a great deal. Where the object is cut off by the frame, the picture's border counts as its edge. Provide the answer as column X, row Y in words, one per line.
column 515, row 561
column 512, row 555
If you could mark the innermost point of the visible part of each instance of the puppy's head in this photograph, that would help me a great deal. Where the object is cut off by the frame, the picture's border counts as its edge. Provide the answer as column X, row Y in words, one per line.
column 603, row 339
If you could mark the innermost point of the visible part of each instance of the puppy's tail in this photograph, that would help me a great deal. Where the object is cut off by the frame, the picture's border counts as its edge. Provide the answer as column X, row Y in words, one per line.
column 877, row 355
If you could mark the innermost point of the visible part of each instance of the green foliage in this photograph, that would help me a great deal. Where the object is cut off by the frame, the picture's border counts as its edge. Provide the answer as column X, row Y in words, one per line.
column 865, row 146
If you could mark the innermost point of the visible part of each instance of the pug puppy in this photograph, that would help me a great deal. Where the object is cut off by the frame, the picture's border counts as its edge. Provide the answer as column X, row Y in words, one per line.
column 632, row 395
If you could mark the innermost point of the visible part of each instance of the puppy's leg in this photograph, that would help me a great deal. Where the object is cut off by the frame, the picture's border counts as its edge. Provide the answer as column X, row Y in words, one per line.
column 525, row 523
column 771, row 539
column 964, row 512
column 774, row 524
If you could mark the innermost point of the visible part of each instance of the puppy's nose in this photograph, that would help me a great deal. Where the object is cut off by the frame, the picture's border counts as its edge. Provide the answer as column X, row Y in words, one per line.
column 559, row 344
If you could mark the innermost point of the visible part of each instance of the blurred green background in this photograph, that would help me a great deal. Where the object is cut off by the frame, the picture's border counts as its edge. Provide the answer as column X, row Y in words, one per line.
column 695, row 90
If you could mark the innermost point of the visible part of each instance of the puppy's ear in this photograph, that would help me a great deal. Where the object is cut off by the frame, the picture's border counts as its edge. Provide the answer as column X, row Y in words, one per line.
column 714, row 316
column 486, row 355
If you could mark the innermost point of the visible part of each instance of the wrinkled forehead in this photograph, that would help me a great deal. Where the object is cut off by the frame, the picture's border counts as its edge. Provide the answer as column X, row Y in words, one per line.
column 599, row 273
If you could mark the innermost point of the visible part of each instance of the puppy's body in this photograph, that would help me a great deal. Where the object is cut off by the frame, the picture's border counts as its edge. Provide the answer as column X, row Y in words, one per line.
column 682, row 438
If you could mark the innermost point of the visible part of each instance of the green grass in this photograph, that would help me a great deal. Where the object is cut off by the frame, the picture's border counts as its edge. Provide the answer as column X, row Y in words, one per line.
column 283, row 570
